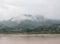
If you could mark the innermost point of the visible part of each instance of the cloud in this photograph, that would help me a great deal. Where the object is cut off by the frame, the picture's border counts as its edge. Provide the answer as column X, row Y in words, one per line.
column 8, row 11
column 13, row 8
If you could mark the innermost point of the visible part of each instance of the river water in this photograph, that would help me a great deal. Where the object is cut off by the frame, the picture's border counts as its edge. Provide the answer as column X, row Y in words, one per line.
column 29, row 39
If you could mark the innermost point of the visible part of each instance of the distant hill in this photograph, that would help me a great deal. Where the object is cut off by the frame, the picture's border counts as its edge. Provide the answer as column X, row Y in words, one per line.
column 29, row 21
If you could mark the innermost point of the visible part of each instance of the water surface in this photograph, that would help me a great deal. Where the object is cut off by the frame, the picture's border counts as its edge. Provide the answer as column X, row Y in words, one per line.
column 28, row 39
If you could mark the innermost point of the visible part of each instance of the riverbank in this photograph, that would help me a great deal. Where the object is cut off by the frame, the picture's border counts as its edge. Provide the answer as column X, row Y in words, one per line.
column 33, row 35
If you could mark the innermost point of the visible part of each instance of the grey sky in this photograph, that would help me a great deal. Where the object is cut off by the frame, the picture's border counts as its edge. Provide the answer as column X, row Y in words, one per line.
column 13, row 8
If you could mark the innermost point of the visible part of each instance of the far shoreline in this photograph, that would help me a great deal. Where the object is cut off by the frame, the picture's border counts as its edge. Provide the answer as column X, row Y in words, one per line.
column 32, row 35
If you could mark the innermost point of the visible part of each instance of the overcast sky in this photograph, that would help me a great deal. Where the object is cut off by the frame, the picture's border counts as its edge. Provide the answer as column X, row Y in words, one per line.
column 13, row 8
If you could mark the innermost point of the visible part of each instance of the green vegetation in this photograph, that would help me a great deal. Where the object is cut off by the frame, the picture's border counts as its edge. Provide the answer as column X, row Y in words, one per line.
column 38, row 30
column 31, row 26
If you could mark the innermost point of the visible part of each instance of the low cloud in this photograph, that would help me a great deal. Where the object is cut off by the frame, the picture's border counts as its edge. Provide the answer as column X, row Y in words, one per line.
column 13, row 8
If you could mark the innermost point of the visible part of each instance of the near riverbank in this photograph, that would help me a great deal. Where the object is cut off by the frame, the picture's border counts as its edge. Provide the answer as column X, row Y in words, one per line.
column 33, row 35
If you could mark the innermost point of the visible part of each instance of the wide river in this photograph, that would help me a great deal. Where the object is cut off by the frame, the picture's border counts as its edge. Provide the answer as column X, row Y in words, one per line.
column 29, row 39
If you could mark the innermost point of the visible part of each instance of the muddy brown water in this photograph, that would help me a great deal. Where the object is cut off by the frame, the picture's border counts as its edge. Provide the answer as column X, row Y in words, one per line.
column 29, row 39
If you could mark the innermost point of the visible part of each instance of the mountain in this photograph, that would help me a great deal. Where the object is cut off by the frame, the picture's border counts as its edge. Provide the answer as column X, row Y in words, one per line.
column 28, row 17
column 28, row 21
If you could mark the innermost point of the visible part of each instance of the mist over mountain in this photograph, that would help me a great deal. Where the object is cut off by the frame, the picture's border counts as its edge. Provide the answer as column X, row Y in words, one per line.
column 28, row 21
column 27, row 16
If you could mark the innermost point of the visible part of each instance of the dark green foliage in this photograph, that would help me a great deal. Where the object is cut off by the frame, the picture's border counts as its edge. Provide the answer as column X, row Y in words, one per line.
column 28, row 26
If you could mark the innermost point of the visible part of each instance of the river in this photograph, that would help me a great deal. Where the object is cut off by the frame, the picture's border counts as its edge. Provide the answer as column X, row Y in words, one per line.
column 29, row 39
